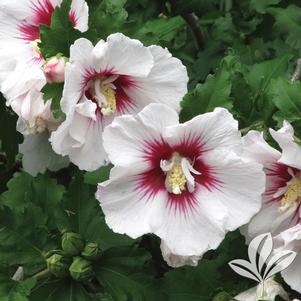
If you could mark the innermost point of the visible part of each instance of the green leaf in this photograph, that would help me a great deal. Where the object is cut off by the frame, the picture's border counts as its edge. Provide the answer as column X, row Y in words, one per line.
column 11, row 290
column 26, row 219
column 160, row 30
column 261, row 5
column 288, row 24
column 98, row 176
column 259, row 78
column 205, row 97
column 194, row 283
column 54, row 93
column 23, row 190
column 286, row 96
column 60, row 290
column 124, row 274
column 260, row 75
column 9, row 137
column 109, row 16
column 84, row 216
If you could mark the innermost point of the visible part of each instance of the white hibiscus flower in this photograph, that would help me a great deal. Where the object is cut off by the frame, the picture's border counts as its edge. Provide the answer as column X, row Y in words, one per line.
column 282, row 198
column 290, row 240
column 115, row 77
column 36, row 122
column 20, row 56
column 185, row 183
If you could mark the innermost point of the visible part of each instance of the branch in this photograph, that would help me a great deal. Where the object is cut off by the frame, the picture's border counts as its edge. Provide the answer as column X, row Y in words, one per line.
column 192, row 21
column 297, row 74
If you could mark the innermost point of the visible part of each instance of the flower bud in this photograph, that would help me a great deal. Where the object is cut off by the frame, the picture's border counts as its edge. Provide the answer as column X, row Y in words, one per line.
column 58, row 265
column 81, row 269
column 72, row 243
column 222, row 296
column 54, row 69
column 91, row 251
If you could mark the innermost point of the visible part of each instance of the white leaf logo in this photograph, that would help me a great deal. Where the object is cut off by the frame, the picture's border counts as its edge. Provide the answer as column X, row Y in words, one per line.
column 263, row 264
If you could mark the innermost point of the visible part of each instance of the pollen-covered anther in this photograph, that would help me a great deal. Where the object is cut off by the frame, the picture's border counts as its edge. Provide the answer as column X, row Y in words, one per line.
column 176, row 179
column 37, row 125
column 292, row 195
column 179, row 176
column 108, row 107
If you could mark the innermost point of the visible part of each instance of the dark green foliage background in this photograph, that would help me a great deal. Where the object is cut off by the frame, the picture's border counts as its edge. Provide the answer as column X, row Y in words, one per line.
column 242, row 59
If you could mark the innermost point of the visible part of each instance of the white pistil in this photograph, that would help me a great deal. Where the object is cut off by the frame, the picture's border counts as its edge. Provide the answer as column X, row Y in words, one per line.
column 104, row 93
column 179, row 172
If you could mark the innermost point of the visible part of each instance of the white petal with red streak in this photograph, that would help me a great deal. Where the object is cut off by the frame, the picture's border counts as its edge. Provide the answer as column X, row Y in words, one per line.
column 80, row 62
column 81, row 13
column 124, row 139
column 124, row 55
column 126, row 210
column 217, row 129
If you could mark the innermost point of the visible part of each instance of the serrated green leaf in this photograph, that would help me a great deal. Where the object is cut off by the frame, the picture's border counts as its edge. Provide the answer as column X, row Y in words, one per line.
column 124, row 274
column 98, row 176
column 288, row 23
column 26, row 218
column 108, row 17
column 205, row 97
column 60, row 35
column 24, row 189
column 262, row 5
column 54, row 93
column 11, row 290
column 259, row 78
column 286, row 96
column 160, row 30
column 60, row 290
column 194, row 283
column 260, row 75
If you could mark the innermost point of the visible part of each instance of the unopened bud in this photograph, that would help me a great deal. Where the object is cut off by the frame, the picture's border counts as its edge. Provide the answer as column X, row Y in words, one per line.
column 72, row 243
column 81, row 269
column 91, row 251
column 58, row 265
column 54, row 69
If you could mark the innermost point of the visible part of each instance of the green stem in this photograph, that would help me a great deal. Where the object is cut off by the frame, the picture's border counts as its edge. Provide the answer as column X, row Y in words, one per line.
column 42, row 274
column 255, row 126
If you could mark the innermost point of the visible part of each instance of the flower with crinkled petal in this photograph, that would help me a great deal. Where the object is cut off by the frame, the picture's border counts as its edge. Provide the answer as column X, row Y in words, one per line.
column 290, row 240
column 281, row 207
column 117, row 76
column 186, row 183
column 20, row 58
column 36, row 122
